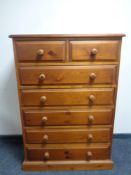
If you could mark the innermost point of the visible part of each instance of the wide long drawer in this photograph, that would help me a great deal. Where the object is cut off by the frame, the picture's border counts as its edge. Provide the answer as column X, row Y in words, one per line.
column 68, row 152
column 86, row 135
column 50, row 75
column 55, row 97
column 95, row 50
column 67, row 117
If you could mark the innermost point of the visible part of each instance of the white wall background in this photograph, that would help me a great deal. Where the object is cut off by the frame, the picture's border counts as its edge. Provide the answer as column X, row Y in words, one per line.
column 62, row 16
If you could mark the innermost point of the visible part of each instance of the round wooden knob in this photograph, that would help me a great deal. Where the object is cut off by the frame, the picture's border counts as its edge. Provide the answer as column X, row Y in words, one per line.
column 89, row 155
column 42, row 77
column 91, row 119
column 92, row 98
column 45, row 138
column 43, row 99
column 40, row 52
column 90, row 137
column 44, row 119
column 92, row 76
column 94, row 51
column 46, row 155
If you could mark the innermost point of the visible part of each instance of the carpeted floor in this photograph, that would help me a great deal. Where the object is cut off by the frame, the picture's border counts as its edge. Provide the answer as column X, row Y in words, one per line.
column 11, row 156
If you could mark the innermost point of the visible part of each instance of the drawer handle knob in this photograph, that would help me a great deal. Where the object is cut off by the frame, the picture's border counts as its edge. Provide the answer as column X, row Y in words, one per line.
column 44, row 119
column 46, row 155
column 94, row 51
column 89, row 155
column 42, row 77
column 90, row 137
column 45, row 138
column 92, row 76
column 43, row 99
column 40, row 52
column 92, row 98
column 91, row 119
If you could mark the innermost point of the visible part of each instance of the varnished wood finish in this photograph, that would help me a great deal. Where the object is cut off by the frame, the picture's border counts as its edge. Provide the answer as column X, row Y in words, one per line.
column 67, row 87
column 67, row 165
column 67, row 75
column 53, row 36
column 50, row 51
column 106, row 50
column 68, row 152
column 67, row 117
column 68, row 135
column 60, row 97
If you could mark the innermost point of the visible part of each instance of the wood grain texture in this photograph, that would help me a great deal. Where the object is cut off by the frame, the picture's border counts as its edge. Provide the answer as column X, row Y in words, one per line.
column 67, row 87
column 67, row 117
column 67, row 165
column 52, row 51
column 67, row 75
column 69, row 152
column 58, row 97
column 99, row 135
column 106, row 50
column 68, row 36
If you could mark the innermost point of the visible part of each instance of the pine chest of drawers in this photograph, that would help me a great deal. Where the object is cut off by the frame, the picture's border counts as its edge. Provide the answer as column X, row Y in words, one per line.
column 67, row 87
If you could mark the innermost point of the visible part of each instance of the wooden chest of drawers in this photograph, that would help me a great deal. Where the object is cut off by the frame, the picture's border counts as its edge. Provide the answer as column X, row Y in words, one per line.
column 67, row 88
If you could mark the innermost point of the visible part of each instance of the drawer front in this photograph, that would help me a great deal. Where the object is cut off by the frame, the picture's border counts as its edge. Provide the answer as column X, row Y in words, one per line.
column 68, row 153
column 67, row 75
column 59, row 97
column 45, row 136
column 67, row 117
column 40, row 50
column 94, row 50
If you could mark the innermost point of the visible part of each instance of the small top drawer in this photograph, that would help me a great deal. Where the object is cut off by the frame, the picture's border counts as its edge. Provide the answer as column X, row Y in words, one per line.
column 94, row 50
column 40, row 50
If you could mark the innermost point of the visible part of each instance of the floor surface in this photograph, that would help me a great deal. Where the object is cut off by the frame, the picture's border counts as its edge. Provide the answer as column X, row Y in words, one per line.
column 11, row 156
